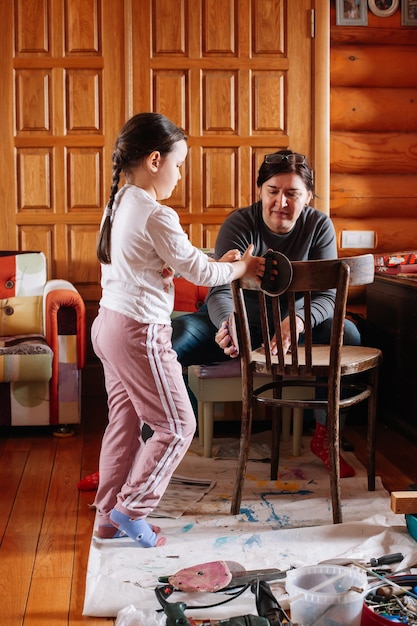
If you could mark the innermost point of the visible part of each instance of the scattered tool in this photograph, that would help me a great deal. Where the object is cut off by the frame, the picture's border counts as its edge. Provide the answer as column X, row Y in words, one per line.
column 217, row 575
column 386, row 559
column 278, row 273
column 175, row 612
column 267, row 605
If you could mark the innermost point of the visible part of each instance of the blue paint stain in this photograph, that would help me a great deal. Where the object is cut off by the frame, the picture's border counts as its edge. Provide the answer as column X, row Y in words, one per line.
column 254, row 539
column 281, row 521
column 187, row 528
column 248, row 514
column 221, row 541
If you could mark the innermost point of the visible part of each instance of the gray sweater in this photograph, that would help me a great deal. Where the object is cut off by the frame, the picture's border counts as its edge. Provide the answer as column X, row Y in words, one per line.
column 313, row 237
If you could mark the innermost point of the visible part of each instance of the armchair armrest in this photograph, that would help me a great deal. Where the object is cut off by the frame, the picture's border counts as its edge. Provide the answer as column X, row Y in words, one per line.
column 59, row 295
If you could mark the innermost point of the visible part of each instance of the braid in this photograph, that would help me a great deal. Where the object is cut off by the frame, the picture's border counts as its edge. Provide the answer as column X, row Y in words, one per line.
column 104, row 241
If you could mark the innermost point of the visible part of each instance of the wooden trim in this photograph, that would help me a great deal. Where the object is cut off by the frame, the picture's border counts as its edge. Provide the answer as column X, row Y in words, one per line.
column 7, row 180
column 321, row 99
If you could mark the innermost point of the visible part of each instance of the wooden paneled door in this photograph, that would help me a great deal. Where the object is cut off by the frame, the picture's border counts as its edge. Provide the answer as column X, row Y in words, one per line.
column 236, row 75
column 242, row 77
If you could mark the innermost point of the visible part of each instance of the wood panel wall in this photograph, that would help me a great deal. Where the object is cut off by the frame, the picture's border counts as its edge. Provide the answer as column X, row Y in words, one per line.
column 373, row 131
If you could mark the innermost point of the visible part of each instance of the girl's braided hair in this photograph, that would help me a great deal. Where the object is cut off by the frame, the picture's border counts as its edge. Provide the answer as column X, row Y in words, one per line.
column 142, row 134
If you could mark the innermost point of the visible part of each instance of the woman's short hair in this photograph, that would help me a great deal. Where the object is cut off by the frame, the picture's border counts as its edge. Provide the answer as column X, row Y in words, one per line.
column 285, row 162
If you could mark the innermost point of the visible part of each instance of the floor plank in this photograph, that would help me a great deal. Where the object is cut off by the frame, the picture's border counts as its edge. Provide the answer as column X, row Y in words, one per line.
column 21, row 537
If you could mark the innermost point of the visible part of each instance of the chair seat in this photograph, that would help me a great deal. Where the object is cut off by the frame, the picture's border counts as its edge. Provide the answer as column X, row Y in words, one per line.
column 354, row 359
column 222, row 369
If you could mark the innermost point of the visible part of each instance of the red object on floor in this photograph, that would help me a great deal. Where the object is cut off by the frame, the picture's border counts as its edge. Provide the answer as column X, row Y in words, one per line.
column 89, row 483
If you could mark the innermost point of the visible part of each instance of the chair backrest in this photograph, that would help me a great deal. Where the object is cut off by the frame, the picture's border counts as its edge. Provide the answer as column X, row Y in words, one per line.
column 308, row 278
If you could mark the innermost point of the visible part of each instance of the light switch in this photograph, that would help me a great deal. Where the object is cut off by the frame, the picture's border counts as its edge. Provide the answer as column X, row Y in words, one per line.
column 358, row 239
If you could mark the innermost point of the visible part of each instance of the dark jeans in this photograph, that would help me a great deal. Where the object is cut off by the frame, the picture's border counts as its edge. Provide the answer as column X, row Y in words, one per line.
column 193, row 341
column 193, row 338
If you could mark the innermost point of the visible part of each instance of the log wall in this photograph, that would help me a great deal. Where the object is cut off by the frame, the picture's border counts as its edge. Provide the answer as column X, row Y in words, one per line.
column 373, row 131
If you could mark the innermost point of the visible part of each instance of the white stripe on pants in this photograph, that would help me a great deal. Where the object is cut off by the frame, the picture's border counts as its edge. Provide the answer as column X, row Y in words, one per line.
column 144, row 384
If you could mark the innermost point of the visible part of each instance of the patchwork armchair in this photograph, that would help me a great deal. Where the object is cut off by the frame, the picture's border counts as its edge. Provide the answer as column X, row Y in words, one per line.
column 42, row 344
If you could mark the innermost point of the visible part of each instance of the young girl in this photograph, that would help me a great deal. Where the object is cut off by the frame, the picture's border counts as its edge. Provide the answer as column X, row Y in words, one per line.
column 140, row 242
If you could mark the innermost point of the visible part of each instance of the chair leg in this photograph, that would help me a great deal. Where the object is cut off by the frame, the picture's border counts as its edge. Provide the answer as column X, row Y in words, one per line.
column 297, row 431
column 245, row 435
column 371, row 435
column 208, row 420
column 276, row 440
column 335, row 489
column 200, row 418
column 286, row 423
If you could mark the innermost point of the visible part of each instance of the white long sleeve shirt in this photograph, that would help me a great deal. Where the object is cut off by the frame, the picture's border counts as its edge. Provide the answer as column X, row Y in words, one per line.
column 146, row 236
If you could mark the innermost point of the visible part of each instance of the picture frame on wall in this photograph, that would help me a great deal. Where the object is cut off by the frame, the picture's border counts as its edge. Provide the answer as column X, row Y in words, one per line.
column 383, row 8
column 351, row 12
column 409, row 13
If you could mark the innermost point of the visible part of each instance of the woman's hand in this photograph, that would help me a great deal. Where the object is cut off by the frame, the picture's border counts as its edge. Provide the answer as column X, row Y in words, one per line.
column 286, row 335
column 225, row 341
column 231, row 256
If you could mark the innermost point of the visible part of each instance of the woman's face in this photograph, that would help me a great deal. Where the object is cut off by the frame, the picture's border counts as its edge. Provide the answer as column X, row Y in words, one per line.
column 283, row 198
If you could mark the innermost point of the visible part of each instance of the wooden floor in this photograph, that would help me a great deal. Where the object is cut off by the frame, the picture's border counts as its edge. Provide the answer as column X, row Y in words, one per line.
column 46, row 524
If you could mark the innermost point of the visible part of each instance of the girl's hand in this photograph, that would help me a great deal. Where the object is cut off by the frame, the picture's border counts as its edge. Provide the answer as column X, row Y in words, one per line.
column 255, row 266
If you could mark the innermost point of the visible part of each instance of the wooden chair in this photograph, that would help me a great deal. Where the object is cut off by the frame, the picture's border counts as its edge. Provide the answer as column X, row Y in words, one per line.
column 222, row 382
column 307, row 364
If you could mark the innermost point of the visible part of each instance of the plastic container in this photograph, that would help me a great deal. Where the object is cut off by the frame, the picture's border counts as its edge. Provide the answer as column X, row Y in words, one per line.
column 411, row 521
column 369, row 618
column 320, row 595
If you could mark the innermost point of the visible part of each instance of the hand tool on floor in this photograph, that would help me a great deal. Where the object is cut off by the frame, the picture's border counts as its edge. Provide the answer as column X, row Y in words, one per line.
column 217, row 575
column 267, row 605
column 269, row 610
column 221, row 576
column 386, row 559
column 175, row 613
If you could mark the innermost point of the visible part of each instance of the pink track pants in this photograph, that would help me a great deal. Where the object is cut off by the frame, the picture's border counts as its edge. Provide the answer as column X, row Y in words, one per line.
column 144, row 384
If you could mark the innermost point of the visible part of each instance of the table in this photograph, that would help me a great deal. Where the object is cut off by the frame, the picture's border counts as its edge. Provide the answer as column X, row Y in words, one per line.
column 392, row 313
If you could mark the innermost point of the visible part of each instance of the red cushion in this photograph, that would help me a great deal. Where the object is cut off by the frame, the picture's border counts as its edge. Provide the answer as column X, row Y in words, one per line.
column 188, row 297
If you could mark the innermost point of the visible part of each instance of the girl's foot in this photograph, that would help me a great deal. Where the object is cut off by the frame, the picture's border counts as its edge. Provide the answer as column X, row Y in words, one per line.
column 109, row 531
column 137, row 529
column 320, row 447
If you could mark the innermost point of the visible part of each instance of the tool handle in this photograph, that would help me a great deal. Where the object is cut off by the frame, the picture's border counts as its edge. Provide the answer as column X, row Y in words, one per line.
column 266, row 603
column 175, row 615
column 397, row 557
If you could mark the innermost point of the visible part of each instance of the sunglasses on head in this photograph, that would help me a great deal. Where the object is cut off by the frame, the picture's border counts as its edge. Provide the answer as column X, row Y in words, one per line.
column 293, row 159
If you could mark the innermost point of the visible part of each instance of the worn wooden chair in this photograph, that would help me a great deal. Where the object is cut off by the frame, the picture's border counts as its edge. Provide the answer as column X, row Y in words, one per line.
column 307, row 364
